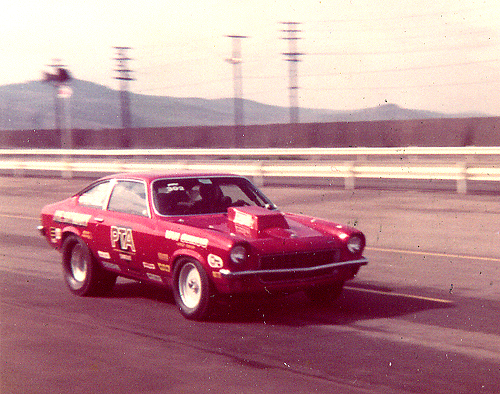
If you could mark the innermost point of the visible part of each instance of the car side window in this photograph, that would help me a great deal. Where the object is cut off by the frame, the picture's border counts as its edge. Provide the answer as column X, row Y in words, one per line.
column 129, row 197
column 96, row 196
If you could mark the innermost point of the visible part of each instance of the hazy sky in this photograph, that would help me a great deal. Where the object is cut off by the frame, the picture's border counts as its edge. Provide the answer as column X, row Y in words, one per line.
column 420, row 54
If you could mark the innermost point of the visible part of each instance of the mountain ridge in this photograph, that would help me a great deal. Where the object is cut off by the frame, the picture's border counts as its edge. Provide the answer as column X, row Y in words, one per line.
column 30, row 105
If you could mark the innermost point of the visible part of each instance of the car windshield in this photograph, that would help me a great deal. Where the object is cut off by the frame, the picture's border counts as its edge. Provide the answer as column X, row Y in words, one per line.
column 194, row 196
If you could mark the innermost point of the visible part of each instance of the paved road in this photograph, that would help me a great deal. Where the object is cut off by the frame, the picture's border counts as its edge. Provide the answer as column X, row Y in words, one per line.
column 422, row 317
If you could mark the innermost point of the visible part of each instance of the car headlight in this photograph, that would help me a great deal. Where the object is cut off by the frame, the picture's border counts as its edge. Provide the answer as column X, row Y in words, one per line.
column 355, row 244
column 238, row 254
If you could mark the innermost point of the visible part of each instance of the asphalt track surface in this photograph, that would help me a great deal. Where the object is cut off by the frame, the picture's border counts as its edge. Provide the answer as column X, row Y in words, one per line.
column 423, row 316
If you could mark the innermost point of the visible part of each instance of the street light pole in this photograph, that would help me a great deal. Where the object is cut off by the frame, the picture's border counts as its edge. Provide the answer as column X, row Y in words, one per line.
column 236, row 61
column 59, row 79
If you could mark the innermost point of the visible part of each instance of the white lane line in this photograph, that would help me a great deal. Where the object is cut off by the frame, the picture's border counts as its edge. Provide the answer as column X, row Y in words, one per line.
column 454, row 256
column 415, row 297
column 5, row 215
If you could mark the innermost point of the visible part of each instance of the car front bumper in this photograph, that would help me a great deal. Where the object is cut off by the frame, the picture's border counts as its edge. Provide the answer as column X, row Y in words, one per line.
column 229, row 282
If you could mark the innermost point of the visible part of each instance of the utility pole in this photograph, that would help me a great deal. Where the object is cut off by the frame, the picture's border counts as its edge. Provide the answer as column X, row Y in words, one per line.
column 124, row 78
column 236, row 61
column 292, row 57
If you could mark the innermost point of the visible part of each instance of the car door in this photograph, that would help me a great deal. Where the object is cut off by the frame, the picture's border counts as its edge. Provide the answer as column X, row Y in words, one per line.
column 127, row 227
column 92, row 202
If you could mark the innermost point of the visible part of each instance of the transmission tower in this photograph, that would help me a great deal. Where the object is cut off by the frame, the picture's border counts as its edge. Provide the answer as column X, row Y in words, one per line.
column 124, row 78
column 293, row 58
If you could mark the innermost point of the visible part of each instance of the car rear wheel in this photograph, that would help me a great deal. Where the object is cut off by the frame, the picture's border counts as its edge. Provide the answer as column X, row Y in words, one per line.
column 324, row 294
column 82, row 274
column 192, row 289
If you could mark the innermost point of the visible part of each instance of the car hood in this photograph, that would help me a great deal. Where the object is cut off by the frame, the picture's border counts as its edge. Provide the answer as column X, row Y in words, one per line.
column 267, row 229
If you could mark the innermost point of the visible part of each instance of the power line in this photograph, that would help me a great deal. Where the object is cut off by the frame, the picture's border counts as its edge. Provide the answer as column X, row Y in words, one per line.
column 389, row 52
column 402, row 69
column 186, row 85
column 428, row 85
column 429, row 14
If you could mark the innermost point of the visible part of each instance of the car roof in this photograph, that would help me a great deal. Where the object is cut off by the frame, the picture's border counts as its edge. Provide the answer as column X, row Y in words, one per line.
column 151, row 176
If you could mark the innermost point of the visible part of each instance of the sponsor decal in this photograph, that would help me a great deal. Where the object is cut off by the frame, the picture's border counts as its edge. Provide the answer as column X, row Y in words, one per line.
column 243, row 219
column 87, row 234
column 107, row 264
column 78, row 219
column 163, row 256
column 148, row 266
column 197, row 241
column 186, row 238
column 164, row 267
column 123, row 237
column 103, row 255
column 216, row 275
column 214, row 261
column 126, row 257
column 154, row 277
column 173, row 235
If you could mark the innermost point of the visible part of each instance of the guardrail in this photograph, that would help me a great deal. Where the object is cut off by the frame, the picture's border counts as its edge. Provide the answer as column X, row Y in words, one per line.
column 259, row 152
column 460, row 165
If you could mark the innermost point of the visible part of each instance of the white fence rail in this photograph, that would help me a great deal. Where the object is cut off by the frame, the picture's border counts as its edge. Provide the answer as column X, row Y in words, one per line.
column 458, row 165
column 259, row 152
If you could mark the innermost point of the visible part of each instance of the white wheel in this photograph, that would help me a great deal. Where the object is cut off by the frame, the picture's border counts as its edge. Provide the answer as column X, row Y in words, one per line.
column 192, row 289
column 190, row 285
column 79, row 265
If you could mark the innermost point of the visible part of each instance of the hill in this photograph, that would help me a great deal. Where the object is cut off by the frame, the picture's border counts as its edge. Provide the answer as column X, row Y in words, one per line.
column 30, row 105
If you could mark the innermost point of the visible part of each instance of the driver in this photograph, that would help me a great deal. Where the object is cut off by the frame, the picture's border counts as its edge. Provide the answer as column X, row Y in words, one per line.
column 212, row 199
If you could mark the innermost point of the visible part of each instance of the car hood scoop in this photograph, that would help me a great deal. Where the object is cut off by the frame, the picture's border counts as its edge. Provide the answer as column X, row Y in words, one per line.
column 256, row 219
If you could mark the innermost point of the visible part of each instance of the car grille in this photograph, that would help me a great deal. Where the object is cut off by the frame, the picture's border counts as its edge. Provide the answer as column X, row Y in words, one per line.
column 297, row 260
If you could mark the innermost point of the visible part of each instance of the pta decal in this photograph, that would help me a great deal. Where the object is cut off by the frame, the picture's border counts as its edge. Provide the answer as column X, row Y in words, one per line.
column 122, row 237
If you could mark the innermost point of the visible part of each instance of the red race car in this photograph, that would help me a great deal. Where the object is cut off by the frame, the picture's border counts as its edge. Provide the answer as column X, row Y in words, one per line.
column 203, row 235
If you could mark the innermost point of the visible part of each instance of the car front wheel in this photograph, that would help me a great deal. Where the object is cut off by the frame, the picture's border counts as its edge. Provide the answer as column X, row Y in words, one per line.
column 192, row 289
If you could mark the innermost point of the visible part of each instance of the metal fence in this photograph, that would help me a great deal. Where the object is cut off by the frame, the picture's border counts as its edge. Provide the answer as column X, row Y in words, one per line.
column 350, row 167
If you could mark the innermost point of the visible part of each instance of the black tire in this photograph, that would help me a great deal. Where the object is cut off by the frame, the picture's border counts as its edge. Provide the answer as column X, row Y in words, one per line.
column 82, row 273
column 106, row 282
column 324, row 294
column 192, row 289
